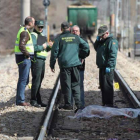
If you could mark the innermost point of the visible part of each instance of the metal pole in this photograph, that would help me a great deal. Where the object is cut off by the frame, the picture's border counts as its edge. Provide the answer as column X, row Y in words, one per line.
column 128, row 8
column 46, row 3
column 112, row 16
column 115, row 12
column 109, row 15
column 25, row 10
column 46, row 24
column 117, row 15
column 136, row 6
column 121, row 26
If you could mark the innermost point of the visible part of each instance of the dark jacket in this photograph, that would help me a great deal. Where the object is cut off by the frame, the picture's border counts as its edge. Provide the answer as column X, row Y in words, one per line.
column 66, row 48
column 38, row 48
column 106, row 52
column 82, row 67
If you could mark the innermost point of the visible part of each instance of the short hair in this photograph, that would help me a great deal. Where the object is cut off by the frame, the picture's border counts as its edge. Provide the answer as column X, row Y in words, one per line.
column 65, row 25
column 68, row 29
column 75, row 26
column 28, row 19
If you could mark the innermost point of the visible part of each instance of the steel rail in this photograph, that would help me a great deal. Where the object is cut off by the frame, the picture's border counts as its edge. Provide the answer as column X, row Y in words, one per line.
column 124, row 85
column 127, row 89
column 47, row 118
column 117, row 76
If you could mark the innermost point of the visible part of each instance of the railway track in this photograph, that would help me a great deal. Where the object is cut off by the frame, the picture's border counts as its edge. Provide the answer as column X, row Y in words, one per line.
column 57, row 126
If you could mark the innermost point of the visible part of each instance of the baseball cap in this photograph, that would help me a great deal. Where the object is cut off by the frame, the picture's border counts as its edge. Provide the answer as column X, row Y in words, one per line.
column 102, row 29
column 39, row 23
column 65, row 25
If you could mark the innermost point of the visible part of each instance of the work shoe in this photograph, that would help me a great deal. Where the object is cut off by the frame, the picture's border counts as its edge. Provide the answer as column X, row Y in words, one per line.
column 81, row 108
column 43, row 105
column 66, row 107
column 23, row 104
column 110, row 105
column 35, row 104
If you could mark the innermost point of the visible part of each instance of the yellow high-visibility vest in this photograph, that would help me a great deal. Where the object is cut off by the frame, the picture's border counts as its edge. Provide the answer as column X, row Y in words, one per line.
column 41, row 53
column 29, row 46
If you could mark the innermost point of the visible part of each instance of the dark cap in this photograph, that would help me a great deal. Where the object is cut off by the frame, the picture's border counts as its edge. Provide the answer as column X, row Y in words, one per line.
column 65, row 25
column 102, row 29
column 39, row 22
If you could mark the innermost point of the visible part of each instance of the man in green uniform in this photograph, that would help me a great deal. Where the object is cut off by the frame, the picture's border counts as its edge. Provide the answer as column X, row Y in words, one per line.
column 38, row 65
column 106, row 47
column 66, row 48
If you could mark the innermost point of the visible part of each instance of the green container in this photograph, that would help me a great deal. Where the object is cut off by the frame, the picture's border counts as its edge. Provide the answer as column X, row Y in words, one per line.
column 84, row 16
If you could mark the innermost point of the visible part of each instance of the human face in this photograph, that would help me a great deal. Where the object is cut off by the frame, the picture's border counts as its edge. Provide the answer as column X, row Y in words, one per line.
column 105, row 35
column 39, row 28
column 31, row 24
column 76, row 31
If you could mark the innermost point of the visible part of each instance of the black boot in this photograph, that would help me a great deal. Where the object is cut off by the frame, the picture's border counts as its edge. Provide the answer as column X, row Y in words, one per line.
column 81, row 108
column 43, row 105
column 66, row 107
column 34, row 103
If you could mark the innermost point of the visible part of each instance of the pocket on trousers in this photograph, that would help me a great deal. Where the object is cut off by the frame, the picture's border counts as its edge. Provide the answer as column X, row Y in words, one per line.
column 110, row 75
column 27, row 62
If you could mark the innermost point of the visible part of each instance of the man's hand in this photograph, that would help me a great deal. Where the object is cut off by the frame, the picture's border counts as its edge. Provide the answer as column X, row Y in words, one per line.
column 107, row 70
column 98, row 38
column 53, row 70
column 50, row 43
column 82, row 60
column 44, row 46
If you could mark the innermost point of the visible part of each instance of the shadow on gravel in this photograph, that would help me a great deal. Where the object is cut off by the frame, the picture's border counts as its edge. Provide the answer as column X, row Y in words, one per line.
column 93, row 97
column 21, row 121
column 115, row 128
column 45, row 94
column 25, row 121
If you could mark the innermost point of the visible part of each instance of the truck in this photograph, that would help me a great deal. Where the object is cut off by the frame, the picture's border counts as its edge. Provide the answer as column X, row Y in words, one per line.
column 83, row 15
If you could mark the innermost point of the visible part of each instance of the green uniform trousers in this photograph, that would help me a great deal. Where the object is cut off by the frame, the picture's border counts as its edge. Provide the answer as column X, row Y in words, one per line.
column 38, row 70
column 106, row 84
column 70, row 83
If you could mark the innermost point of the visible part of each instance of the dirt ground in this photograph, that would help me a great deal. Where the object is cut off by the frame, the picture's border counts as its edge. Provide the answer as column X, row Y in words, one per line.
column 16, row 121
column 117, row 127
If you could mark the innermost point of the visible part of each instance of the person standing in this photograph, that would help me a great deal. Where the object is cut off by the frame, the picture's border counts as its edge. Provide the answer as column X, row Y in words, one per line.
column 76, row 31
column 66, row 49
column 24, row 52
column 106, row 47
column 38, row 65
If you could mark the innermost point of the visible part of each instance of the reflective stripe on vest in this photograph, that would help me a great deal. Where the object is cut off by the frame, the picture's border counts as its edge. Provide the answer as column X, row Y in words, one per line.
column 42, row 53
column 29, row 46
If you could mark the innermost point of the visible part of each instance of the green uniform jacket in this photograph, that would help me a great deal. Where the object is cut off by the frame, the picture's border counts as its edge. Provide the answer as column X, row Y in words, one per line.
column 66, row 48
column 38, row 48
column 106, row 52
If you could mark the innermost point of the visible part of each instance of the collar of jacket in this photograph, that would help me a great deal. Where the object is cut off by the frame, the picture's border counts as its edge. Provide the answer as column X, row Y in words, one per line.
column 65, row 32
column 36, row 31
column 110, row 36
column 25, row 28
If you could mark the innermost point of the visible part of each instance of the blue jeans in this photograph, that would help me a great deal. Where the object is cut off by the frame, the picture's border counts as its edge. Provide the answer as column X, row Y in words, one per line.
column 24, row 69
column 82, row 96
column 82, row 88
